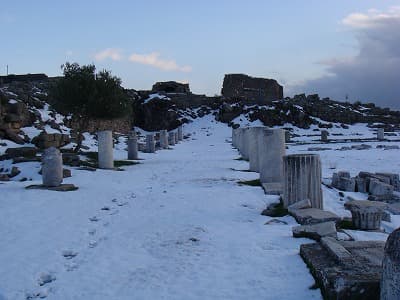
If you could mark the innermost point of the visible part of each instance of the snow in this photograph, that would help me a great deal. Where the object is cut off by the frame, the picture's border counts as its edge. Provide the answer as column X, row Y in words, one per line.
column 156, row 95
column 176, row 226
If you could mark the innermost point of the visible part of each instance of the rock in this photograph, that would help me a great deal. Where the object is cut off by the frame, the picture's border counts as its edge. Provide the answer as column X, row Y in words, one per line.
column 315, row 231
column 28, row 152
column 71, row 159
column 302, row 204
column 361, row 185
column 14, row 172
column 4, row 177
column 275, row 222
column 52, row 171
column 390, row 283
column 171, row 87
column 366, row 215
column 14, row 137
column 67, row 173
column 313, row 216
column 377, row 188
column 393, row 180
column 361, row 147
column 343, row 183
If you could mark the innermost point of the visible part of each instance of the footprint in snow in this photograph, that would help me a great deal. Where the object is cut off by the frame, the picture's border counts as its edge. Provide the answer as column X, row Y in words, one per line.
column 41, row 294
column 71, row 266
column 94, row 219
column 92, row 231
column 92, row 244
column 114, row 212
column 122, row 203
column 69, row 254
column 105, row 208
column 45, row 278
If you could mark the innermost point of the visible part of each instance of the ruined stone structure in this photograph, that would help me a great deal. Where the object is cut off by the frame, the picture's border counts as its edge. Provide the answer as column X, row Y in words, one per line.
column 132, row 145
column 171, row 87
column 390, row 282
column 26, row 77
column 52, row 170
column 250, row 89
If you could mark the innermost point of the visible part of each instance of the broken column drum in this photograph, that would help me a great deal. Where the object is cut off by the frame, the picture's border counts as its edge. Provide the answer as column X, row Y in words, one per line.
column 253, row 148
column 150, row 143
column 271, row 149
column 380, row 134
column 132, row 146
column 302, row 179
column 239, row 138
column 180, row 133
column 176, row 137
column 287, row 136
column 390, row 281
column 171, row 138
column 105, row 149
column 234, row 137
column 52, row 169
column 163, row 139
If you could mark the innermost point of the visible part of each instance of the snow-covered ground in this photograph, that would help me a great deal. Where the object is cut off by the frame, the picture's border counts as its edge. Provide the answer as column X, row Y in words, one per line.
column 176, row 226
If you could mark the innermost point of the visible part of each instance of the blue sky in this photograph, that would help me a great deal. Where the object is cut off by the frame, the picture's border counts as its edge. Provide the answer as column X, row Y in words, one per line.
column 192, row 41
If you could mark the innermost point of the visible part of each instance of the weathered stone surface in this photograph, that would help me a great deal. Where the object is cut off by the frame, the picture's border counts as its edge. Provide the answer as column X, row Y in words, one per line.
column 361, row 185
column 164, row 139
column 171, row 138
column 315, row 231
column 52, row 170
column 61, row 188
column 271, row 149
column 324, row 135
column 132, row 146
column 393, row 179
column 171, row 87
column 71, row 159
column 253, row 140
column 250, row 89
column 313, row 216
column 343, row 183
column 28, row 152
column 14, row 172
column 4, row 177
column 302, row 179
column 150, row 143
column 390, row 283
column 180, row 133
column 302, row 204
column 345, row 269
column 105, row 149
column 366, row 215
column 378, row 188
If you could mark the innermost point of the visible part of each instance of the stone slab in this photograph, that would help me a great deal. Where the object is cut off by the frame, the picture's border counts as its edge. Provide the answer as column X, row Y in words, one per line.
column 272, row 188
column 313, row 216
column 61, row 188
column 356, row 278
column 303, row 204
column 315, row 231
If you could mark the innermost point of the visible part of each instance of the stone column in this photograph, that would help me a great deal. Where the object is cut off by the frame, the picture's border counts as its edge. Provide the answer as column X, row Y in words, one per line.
column 380, row 134
column 132, row 146
column 171, row 138
column 254, row 132
column 52, row 169
column 239, row 138
column 164, row 139
column 287, row 136
column 245, row 143
column 271, row 149
column 105, row 149
column 324, row 136
column 176, row 137
column 234, row 137
column 150, row 143
column 180, row 133
column 390, row 281
column 302, row 179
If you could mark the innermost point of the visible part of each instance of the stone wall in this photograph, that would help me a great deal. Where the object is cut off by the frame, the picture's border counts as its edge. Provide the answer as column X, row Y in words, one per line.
column 250, row 89
column 171, row 87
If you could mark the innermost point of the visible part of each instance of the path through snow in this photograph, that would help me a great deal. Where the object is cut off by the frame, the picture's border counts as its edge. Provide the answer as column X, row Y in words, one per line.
column 176, row 226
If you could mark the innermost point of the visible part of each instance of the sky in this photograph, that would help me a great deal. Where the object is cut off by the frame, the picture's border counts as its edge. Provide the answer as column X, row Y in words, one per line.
column 342, row 49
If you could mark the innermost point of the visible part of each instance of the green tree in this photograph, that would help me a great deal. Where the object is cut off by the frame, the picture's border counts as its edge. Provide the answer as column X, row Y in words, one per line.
column 86, row 95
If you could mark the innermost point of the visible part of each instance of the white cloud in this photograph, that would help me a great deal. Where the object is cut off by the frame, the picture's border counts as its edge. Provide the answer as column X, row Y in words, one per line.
column 109, row 53
column 153, row 59
column 372, row 18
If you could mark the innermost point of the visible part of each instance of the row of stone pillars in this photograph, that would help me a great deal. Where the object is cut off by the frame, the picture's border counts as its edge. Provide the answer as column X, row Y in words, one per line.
column 105, row 145
column 297, row 177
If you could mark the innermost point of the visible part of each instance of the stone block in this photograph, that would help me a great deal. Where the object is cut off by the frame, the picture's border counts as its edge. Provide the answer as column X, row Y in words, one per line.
column 315, row 231
column 390, row 282
column 313, row 216
column 28, row 152
column 302, row 204
column 378, row 188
